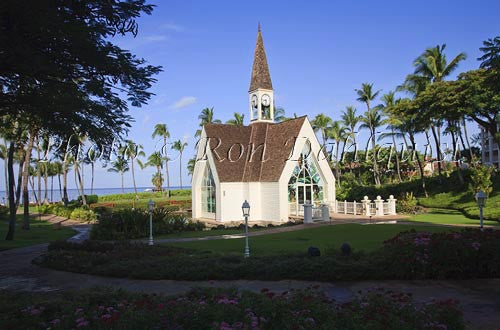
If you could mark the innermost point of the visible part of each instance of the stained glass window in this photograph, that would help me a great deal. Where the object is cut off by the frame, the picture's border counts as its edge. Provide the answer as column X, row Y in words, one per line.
column 208, row 191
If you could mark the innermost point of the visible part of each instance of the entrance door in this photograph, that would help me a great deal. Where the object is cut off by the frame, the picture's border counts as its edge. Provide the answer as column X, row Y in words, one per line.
column 304, row 194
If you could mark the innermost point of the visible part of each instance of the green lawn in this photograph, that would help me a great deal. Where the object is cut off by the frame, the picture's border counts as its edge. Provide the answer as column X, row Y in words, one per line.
column 204, row 233
column 448, row 217
column 360, row 237
column 40, row 232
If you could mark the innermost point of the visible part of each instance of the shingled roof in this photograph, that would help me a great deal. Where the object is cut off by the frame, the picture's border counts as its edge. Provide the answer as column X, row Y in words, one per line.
column 228, row 142
column 260, row 70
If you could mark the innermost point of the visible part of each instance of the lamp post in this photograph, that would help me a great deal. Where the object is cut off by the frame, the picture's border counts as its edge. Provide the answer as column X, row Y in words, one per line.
column 151, row 206
column 481, row 201
column 246, row 213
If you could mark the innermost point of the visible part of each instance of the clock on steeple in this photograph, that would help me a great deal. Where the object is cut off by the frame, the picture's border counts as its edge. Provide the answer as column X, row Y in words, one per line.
column 261, row 88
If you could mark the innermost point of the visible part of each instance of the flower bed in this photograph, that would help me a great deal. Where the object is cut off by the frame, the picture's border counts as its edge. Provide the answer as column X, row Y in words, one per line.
column 470, row 253
column 225, row 309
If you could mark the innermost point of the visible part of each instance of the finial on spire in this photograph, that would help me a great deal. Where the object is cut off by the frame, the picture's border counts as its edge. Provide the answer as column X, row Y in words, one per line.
column 258, row 29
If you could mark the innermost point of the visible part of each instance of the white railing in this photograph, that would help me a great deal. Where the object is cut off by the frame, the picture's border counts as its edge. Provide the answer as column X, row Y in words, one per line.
column 366, row 207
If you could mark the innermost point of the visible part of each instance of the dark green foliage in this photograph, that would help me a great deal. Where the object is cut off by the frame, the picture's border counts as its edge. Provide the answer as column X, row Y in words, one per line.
column 134, row 223
column 210, row 308
column 90, row 199
column 3, row 212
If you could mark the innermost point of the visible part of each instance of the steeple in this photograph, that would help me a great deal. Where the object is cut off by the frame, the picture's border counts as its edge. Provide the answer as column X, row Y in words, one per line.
column 261, row 93
column 260, row 70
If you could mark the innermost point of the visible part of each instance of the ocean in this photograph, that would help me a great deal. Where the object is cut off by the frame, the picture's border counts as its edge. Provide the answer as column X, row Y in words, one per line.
column 74, row 193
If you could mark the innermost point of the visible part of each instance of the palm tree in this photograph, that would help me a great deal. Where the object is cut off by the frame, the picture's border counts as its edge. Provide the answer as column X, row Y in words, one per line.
column 337, row 133
column 3, row 155
column 162, row 131
column 350, row 121
column 132, row 151
column 371, row 120
column 430, row 67
column 392, row 122
column 156, row 160
column 91, row 158
column 321, row 123
column 120, row 165
column 190, row 166
column 179, row 146
column 237, row 120
column 157, row 181
column 279, row 115
column 206, row 117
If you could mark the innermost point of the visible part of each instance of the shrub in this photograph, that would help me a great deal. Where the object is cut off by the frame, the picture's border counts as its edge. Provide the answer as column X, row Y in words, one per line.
column 470, row 253
column 4, row 210
column 408, row 204
column 90, row 199
column 134, row 223
column 83, row 214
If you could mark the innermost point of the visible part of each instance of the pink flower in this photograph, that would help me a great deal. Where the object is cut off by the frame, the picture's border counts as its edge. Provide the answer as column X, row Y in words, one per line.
column 476, row 245
column 35, row 311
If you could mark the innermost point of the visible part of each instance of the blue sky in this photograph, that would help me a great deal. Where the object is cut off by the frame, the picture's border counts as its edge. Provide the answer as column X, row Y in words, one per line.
column 318, row 53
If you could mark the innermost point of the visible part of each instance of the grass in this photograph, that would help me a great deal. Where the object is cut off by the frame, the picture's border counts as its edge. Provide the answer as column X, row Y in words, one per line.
column 360, row 237
column 464, row 202
column 205, row 233
column 40, row 232
column 448, row 217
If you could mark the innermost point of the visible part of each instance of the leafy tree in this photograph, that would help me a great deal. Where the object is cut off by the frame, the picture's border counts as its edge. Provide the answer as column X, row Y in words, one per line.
column 162, row 131
column 157, row 181
column 481, row 179
column 279, row 115
column 371, row 120
column 179, row 146
column 190, row 166
column 431, row 67
column 337, row 133
column 62, row 73
column 237, row 120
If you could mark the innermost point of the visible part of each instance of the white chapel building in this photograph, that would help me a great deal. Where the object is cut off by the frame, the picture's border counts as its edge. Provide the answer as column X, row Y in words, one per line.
column 276, row 167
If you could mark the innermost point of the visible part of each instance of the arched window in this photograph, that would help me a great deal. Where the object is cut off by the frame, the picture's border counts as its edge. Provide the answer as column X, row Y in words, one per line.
column 208, row 191
column 305, row 183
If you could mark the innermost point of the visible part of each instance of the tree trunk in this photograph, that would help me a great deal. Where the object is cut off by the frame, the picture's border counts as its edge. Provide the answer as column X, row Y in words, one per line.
column 12, row 204
column 80, row 184
column 6, row 171
column 123, row 191
column 375, row 165
column 166, row 167
column 464, row 124
column 420, row 167
column 180, row 168
column 60, row 189
column 65, row 183
column 397, row 156
column 133, row 177
column 19, row 178
column 26, row 214
column 38, row 171
column 438, row 149
column 92, row 165
column 51, row 188
column 46, row 182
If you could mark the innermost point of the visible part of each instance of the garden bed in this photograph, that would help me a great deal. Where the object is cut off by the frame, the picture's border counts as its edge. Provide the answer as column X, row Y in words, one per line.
column 225, row 309
column 469, row 253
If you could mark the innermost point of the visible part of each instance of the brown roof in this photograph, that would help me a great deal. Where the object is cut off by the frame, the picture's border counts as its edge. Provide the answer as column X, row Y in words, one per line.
column 271, row 145
column 260, row 70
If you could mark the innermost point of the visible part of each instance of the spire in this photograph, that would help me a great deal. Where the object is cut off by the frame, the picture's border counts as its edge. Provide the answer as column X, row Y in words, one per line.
column 260, row 71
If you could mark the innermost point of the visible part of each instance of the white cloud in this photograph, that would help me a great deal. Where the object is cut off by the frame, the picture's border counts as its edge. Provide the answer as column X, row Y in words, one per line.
column 185, row 101
column 154, row 38
column 172, row 27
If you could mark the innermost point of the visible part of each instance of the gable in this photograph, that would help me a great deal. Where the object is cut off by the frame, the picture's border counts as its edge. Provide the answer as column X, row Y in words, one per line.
column 255, row 153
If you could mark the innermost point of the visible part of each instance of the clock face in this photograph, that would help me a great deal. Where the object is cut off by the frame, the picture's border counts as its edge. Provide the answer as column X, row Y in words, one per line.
column 254, row 101
column 266, row 100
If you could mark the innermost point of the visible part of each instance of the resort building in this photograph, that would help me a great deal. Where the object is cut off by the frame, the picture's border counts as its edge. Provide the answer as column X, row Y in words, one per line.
column 276, row 167
column 490, row 152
